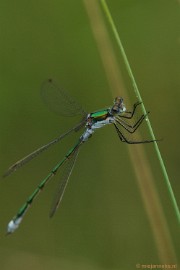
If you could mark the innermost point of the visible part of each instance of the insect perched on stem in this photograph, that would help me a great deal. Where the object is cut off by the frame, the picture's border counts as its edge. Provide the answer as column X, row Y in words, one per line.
column 61, row 102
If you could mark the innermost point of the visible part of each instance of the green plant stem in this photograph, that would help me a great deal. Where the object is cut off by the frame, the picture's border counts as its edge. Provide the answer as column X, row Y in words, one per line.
column 137, row 93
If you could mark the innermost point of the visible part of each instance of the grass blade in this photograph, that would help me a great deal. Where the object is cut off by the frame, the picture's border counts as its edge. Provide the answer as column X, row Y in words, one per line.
column 136, row 90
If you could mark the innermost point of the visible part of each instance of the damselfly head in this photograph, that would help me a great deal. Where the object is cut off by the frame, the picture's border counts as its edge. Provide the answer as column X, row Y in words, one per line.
column 118, row 106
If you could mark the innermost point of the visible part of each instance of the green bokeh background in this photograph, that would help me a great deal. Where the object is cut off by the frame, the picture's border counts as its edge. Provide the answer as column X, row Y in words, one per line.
column 102, row 223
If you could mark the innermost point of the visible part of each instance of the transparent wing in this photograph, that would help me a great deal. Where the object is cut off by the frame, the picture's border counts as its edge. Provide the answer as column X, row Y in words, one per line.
column 63, row 182
column 59, row 101
column 41, row 149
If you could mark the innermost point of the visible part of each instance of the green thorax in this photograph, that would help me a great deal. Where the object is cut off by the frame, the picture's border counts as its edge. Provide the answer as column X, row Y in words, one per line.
column 100, row 115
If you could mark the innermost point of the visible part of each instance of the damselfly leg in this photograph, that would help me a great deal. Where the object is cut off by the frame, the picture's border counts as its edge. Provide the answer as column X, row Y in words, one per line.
column 131, row 128
column 124, row 139
column 128, row 127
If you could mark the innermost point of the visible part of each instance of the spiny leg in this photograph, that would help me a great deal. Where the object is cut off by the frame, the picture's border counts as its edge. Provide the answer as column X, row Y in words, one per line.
column 124, row 139
column 131, row 128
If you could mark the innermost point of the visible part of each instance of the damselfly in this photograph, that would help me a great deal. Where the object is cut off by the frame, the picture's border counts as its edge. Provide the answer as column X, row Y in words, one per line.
column 67, row 106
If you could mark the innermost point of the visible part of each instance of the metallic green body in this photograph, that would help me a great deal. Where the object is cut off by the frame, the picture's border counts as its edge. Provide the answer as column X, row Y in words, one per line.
column 100, row 115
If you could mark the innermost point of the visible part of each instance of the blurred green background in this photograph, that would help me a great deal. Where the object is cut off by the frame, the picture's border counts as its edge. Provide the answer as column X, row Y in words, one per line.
column 101, row 223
